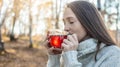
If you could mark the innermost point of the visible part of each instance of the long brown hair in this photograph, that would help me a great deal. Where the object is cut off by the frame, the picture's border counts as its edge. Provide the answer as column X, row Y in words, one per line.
column 92, row 21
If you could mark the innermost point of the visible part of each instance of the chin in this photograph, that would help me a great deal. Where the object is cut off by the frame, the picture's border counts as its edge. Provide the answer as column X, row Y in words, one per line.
column 82, row 39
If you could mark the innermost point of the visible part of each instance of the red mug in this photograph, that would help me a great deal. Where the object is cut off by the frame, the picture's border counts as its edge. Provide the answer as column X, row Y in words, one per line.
column 56, row 39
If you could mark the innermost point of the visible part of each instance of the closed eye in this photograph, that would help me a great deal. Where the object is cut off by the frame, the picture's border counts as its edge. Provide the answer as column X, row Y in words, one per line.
column 71, row 22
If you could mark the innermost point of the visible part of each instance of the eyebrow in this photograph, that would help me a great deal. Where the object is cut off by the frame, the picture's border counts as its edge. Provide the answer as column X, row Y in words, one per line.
column 68, row 18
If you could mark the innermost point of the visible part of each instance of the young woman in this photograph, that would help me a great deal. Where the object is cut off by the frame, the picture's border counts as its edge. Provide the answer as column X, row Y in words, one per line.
column 90, row 45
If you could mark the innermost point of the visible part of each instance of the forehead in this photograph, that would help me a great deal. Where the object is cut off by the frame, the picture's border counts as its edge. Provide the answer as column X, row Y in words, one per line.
column 68, row 13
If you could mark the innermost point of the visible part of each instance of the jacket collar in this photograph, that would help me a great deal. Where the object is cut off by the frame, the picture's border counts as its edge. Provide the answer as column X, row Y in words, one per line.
column 88, row 46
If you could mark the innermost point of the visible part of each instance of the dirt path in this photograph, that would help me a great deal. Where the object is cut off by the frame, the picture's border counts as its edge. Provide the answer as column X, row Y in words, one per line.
column 19, row 55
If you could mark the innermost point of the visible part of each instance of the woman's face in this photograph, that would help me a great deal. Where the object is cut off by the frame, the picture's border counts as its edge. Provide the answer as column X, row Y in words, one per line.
column 72, row 25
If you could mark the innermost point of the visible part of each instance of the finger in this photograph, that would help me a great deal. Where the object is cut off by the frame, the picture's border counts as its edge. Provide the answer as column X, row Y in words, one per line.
column 70, row 44
column 50, row 49
column 47, row 44
column 71, row 39
column 75, row 37
column 58, row 49
column 64, row 46
column 55, row 50
column 66, row 42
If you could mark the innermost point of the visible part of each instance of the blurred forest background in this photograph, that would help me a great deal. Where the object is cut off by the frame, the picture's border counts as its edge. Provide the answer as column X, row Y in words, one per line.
column 24, row 23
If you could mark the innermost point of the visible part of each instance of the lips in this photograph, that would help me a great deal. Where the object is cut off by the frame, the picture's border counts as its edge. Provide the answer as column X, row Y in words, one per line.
column 69, row 33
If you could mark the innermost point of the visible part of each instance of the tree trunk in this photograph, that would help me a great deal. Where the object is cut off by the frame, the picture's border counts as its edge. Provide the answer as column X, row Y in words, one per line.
column 1, row 43
column 30, row 27
column 99, row 5
column 30, row 34
column 2, row 18
column 12, row 38
column 16, row 11
column 57, row 13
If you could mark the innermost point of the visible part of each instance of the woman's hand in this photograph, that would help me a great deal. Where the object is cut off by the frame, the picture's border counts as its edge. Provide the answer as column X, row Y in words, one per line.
column 71, row 43
column 51, row 50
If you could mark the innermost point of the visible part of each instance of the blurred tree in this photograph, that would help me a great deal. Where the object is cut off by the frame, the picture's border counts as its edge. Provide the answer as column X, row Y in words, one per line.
column 30, row 33
column 111, row 8
column 99, row 5
column 3, row 11
column 30, row 26
column 58, row 10
column 16, row 10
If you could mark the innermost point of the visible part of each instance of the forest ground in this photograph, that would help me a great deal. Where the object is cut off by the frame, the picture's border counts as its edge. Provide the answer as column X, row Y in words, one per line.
column 20, row 55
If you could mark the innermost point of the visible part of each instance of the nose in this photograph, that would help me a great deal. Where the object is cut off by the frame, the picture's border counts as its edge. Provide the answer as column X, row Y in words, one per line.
column 66, row 28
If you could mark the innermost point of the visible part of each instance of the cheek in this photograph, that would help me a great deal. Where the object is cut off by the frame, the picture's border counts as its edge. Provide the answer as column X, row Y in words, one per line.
column 81, row 33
